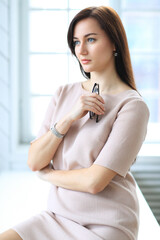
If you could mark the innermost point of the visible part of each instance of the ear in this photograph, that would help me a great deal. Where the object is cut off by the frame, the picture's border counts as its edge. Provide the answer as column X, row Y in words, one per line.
column 114, row 48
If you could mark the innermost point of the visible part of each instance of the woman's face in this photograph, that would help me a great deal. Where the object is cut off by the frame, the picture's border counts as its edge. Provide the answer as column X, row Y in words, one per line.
column 93, row 48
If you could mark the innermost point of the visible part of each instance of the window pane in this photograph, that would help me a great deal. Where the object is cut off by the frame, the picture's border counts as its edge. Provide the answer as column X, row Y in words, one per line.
column 153, row 129
column 48, row 33
column 153, row 102
column 146, row 69
column 75, row 74
column 87, row 3
column 142, row 30
column 48, row 4
column 47, row 72
column 137, row 4
column 38, row 109
column 72, row 14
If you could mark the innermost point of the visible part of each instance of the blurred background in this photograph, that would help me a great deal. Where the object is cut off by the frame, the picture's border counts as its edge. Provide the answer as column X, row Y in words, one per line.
column 35, row 60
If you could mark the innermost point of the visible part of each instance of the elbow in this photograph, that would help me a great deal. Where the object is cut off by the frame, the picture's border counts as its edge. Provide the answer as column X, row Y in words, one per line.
column 95, row 189
column 30, row 162
column 32, row 166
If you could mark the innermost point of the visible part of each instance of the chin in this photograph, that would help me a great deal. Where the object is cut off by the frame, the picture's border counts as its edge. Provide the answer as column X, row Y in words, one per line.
column 88, row 70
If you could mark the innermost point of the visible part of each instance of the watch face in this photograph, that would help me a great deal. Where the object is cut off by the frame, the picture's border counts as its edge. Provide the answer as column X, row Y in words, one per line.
column 94, row 90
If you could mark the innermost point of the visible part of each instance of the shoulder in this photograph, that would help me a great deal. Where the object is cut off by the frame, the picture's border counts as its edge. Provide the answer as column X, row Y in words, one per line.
column 66, row 92
column 61, row 89
column 68, row 87
column 133, row 98
column 134, row 105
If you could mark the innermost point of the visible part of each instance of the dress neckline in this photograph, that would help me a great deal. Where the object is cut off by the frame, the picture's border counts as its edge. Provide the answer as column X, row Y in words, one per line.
column 108, row 95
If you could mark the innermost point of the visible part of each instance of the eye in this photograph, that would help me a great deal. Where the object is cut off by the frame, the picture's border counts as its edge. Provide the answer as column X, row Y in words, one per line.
column 75, row 43
column 91, row 40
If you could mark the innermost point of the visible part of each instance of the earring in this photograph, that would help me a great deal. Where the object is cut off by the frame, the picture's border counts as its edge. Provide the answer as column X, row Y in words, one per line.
column 115, row 53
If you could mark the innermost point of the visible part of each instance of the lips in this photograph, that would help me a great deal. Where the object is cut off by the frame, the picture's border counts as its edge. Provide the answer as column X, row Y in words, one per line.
column 85, row 61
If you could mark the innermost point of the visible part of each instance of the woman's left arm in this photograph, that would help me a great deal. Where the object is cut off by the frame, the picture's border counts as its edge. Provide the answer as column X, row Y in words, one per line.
column 92, row 180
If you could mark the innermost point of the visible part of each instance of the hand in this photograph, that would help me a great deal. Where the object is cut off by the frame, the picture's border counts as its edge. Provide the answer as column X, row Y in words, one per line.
column 45, row 172
column 92, row 102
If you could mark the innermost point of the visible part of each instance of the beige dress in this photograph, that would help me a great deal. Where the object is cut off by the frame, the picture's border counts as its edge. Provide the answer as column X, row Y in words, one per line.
column 113, row 142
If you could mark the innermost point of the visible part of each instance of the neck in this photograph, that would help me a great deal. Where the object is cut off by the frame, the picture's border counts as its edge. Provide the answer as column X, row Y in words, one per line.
column 108, row 80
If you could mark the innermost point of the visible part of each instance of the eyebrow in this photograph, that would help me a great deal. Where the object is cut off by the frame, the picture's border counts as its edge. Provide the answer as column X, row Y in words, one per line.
column 86, row 35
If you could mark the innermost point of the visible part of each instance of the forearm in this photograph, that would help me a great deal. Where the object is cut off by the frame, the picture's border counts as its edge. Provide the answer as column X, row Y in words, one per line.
column 92, row 180
column 43, row 149
column 76, row 180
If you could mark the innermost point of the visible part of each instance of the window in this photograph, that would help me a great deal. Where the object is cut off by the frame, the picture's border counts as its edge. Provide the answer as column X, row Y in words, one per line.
column 44, row 30
column 141, row 20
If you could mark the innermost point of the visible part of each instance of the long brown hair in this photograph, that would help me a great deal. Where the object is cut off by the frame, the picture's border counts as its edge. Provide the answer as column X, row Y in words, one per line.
column 110, row 22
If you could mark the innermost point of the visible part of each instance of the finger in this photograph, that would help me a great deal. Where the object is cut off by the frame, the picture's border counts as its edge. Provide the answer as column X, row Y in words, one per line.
column 95, row 95
column 90, row 104
column 92, row 100
column 95, row 110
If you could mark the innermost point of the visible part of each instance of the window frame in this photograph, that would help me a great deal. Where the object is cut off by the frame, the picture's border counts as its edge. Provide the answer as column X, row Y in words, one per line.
column 18, row 151
column 24, row 72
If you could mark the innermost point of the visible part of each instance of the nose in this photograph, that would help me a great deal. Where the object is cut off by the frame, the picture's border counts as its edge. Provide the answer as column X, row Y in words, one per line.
column 83, row 49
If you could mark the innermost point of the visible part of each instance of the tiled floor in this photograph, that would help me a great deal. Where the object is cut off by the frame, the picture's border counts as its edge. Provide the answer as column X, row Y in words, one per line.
column 23, row 195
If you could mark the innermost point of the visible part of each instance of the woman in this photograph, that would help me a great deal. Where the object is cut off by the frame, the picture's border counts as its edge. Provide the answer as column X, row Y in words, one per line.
column 92, row 140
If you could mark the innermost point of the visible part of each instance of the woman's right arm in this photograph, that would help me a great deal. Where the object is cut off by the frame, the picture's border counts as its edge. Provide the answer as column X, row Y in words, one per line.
column 43, row 149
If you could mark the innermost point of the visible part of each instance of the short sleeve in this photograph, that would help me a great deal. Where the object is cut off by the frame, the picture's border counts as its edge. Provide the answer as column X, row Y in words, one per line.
column 45, row 127
column 126, row 138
